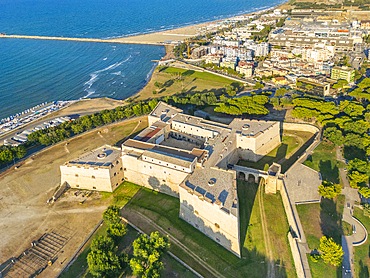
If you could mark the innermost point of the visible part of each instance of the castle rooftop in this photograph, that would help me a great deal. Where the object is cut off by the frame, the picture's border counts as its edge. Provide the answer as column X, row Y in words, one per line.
column 104, row 156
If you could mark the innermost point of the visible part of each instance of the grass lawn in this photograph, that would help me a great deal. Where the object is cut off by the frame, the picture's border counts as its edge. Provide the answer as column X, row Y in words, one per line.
column 164, row 210
column 193, row 81
column 322, row 219
column 122, row 194
column 320, row 269
column 199, row 75
column 347, row 228
column 362, row 253
column 291, row 143
column 277, row 224
column 324, row 160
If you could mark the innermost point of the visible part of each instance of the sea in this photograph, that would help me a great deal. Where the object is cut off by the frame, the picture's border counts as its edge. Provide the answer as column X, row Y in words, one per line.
column 36, row 71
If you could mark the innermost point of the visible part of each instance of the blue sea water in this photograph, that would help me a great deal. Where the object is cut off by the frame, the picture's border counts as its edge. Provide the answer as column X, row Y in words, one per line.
column 34, row 71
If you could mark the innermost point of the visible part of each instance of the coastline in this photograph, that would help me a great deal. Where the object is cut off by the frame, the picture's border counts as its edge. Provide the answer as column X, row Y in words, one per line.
column 184, row 32
column 153, row 38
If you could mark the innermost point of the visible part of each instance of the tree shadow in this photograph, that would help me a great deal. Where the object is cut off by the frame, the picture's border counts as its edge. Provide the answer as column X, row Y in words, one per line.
column 330, row 220
column 327, row 172
column 188, row 73
column 168, row 83
column 351, row 152
column 364, row 270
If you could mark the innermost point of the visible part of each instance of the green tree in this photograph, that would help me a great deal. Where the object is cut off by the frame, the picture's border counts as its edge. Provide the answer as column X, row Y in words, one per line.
column 258, row 85
column 147, row 255
column 103, row 243
column 329, row 190
column 334, row 135
column 280, row 92
column 112, row 214
column 20, row 151
column 356, row 179
column 351, row 108
column 364, row 191
column 116, row 231
column 104, row 263
column 341, row 83
column 331, row 252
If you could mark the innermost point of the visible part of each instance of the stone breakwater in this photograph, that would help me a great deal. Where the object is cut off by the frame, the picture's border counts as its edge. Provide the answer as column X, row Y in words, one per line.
column 117, row 40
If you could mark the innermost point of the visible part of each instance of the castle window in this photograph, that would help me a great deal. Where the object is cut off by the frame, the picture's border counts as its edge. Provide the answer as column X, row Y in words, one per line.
column 196, row 225
column 196, row 212
column 124, row 169
column 120, row 168
column 93, row 177
column 77, row 185
column 116, row 184
column 117, row 162
column 217, row 239
column 76, row 175
column 94, row 187
column 217, row 226
column 115, row 174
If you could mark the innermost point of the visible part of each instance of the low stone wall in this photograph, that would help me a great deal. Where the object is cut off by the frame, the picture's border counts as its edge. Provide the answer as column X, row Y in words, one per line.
column 296, row 256
column 300, row 127
column 289, row 210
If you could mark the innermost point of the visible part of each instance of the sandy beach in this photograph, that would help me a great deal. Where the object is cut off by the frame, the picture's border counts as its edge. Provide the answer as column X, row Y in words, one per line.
column 162, row 37
column 179, row 34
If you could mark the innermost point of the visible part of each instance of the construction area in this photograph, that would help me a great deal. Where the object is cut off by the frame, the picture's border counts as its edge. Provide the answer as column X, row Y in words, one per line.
column 33, row 261
column 55, row 229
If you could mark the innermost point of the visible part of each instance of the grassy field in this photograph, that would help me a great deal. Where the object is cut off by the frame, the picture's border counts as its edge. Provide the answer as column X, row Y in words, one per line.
column 318, row 220
column 291, row 142
column 362, row 253
column 122, row 194
column 191, row 81
column 163, row 210
column 324, row 160
column 278, row 227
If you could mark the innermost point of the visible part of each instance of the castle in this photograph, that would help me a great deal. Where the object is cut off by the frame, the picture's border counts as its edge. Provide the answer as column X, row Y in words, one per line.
column 187, row 157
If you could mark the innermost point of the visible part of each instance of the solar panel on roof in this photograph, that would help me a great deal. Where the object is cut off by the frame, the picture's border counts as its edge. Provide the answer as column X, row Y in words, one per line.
column 223, row 196
column 200, row 190
column 188, row 184
column 210, row 196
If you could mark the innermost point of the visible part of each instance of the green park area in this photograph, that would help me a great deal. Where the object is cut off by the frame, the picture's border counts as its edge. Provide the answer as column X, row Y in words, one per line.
column 293, row 144
column 155, row 211
column 362, row 252
column 167, row 81
column 324, row 161
column 321, row 219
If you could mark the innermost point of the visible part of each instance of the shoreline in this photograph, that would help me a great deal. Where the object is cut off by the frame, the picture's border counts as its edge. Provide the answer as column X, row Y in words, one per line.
column 151, row 38
column 184, row 32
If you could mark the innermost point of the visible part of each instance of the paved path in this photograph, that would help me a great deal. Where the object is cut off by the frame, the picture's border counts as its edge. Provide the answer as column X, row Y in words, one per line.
column 359, row 235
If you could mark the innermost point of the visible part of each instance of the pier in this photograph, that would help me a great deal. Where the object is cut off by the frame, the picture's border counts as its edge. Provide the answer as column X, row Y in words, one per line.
column 122, row 40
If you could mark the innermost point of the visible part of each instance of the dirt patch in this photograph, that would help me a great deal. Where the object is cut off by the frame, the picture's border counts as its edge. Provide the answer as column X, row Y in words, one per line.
column 24, row 192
